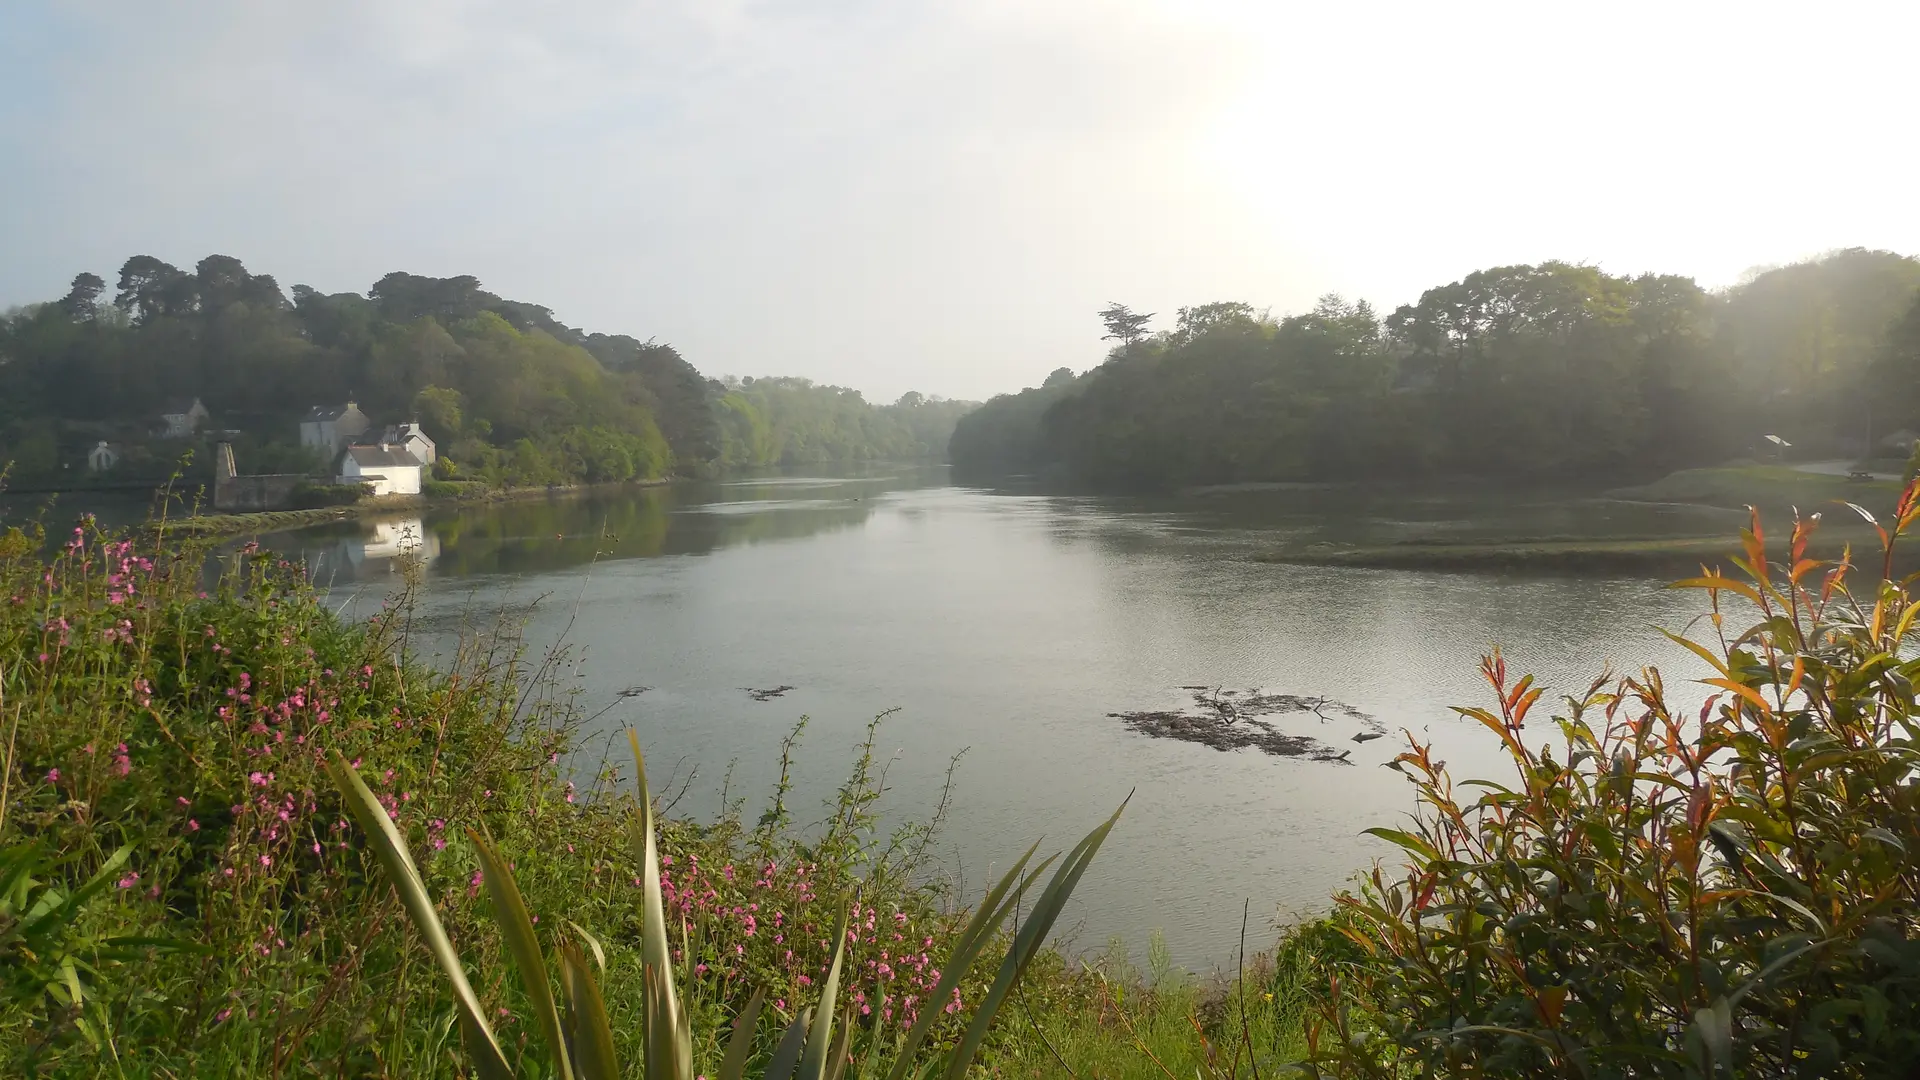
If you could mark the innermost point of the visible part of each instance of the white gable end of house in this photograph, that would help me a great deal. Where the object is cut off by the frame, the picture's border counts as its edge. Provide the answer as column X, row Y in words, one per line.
column 389, row 470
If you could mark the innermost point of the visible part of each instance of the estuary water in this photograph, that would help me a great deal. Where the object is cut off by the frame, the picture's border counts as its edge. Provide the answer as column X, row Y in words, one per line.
column 1020, row 628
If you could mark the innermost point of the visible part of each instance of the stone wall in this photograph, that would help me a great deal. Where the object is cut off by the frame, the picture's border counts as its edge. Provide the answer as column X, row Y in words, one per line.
column 233, row 493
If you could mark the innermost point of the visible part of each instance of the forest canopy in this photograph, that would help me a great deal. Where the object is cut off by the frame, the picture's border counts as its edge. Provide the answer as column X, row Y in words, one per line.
column 1547, row 370
column 510, row 394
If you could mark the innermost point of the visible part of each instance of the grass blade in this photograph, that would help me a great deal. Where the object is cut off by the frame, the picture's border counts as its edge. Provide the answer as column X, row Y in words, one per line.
column 980, row 930
column 977, row 928
column 592, row 1042
column 874, row 1042
column 780, row 1067
column 669, row 1040
column 734, row 1065
column 813, row 1064
column 1027, row 942
column 69, row 906
column 516, row 925
column 391, row 850
column 599, row 952
column 842, row 1040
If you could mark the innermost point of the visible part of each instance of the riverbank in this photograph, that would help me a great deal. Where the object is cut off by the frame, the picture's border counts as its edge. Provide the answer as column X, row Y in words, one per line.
column 1639, row 556
column 266, row 521
column 1775, row 489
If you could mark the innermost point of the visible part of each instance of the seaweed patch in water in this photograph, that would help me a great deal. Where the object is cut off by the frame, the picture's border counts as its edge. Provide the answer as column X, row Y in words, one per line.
column 1239, row 719
column 768, row 694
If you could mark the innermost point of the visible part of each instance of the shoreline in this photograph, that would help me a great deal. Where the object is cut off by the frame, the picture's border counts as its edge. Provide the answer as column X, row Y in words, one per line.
column 267, row 521
column 1677, row 555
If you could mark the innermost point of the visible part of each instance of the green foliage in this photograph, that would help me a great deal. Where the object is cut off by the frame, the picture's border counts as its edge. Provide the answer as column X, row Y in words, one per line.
column 314, row 496
column 1669, row 894
column 1552, row 369
column 1006, row 434
column 788, row 421
column 581, row 1043
column 1111, row 1020
column 508, row 393
column 49, row 963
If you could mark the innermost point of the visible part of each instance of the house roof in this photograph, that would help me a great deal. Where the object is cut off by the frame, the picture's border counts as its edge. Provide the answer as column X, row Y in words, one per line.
column 402, row 432
column 382, row 457
column 330, row 412
column 180, row 406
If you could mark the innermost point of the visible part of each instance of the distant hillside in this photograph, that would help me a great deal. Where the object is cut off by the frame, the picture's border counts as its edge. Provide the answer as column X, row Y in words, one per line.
column 511, row 394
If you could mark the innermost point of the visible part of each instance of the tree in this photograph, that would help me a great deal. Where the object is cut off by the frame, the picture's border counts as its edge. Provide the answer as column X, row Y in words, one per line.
column 81, row 300
column 1123, row 324
column 1206, row 318
column 438, row 410
column 150, row 289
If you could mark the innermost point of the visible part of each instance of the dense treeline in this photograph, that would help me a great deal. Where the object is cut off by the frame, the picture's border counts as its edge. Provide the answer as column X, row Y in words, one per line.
column 1552, row 369
column 511, row 394
column 795, row 421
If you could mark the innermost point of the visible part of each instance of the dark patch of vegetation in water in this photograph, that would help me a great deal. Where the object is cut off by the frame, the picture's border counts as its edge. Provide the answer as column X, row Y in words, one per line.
column 1237, row 720
column 769, row 693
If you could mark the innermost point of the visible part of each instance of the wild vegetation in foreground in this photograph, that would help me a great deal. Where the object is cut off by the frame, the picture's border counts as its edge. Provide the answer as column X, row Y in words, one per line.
column 184, row 891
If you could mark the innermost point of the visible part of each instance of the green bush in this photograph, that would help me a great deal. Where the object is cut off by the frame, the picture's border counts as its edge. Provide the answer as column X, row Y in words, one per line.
column 315, row 496
column 442, row 489
column 1668, row 893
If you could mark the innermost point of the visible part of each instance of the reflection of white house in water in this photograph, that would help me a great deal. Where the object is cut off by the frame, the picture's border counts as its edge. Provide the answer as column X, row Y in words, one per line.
column 375, row 554
column 392, row 539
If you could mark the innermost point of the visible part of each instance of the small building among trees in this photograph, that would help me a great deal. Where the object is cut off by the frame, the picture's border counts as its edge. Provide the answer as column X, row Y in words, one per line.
column 181, row 418
column 331, row 429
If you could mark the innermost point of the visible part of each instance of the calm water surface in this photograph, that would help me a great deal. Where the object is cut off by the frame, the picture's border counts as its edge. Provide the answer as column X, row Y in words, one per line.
column 1011, row 626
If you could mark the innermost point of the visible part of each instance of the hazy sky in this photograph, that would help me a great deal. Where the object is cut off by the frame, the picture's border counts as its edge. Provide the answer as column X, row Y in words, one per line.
column 938, row 196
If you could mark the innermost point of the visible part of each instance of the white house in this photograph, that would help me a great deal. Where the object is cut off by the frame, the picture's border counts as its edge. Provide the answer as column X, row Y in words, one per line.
column 413, row 439
column 331, row 429
column 390, row 469
column 182, row 418
column 102, row 457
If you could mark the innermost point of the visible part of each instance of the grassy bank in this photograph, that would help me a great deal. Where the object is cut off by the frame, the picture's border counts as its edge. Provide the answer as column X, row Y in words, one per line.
column 1775, row 489
column 1546, row 556
column 1671, row 556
